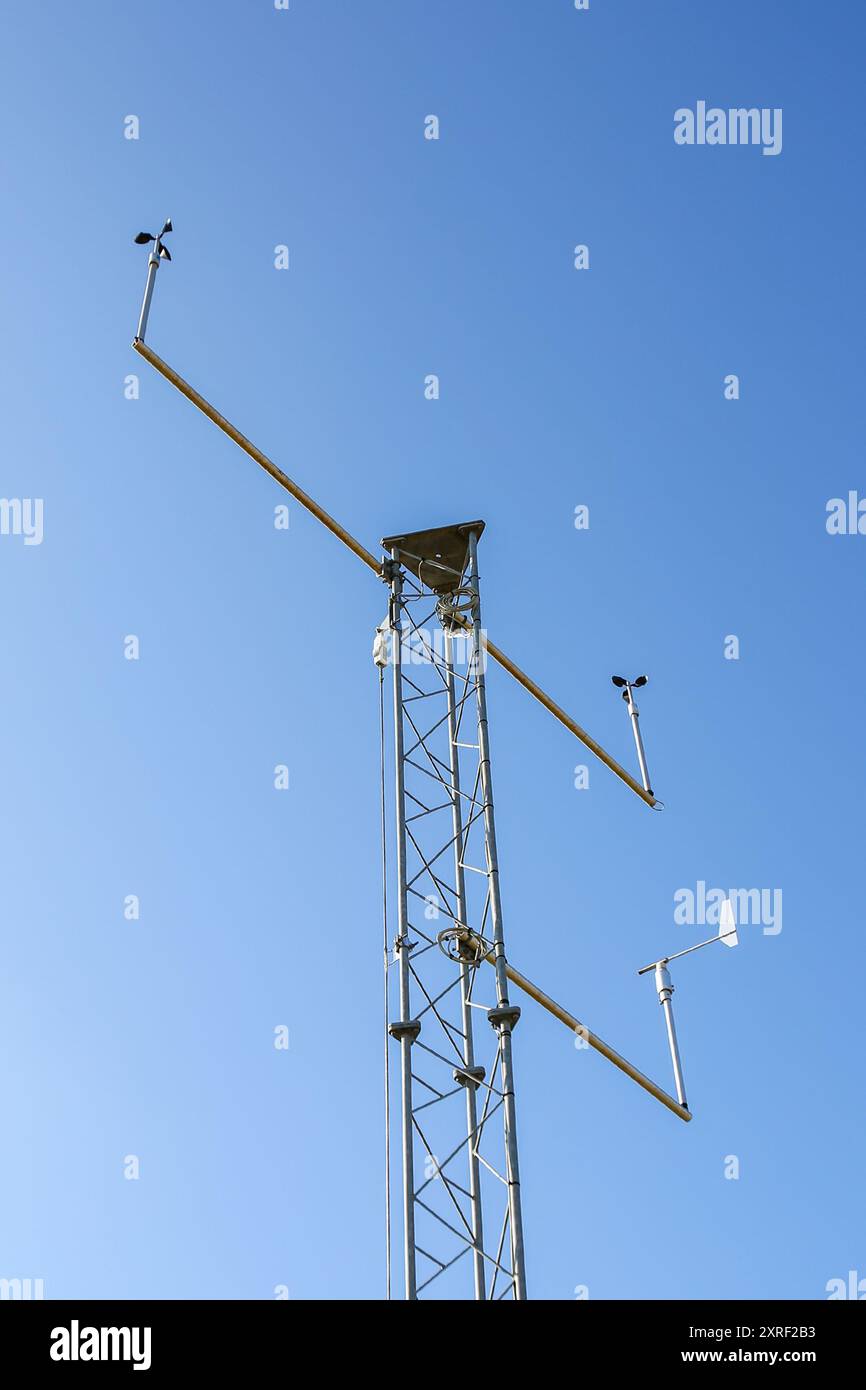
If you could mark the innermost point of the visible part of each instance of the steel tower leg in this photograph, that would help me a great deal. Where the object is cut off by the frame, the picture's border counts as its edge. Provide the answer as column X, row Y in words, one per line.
column 406, row 1029
column 466, row 977
column 505, row 1015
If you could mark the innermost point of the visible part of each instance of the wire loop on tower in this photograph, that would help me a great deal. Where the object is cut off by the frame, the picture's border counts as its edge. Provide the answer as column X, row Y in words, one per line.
column 461, row 945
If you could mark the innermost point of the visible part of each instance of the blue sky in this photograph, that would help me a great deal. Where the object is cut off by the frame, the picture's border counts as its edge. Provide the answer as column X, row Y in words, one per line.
column 558, row 388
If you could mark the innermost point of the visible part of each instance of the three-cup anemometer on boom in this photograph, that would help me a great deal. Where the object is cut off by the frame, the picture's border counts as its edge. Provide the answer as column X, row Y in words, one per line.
column 461, row 1219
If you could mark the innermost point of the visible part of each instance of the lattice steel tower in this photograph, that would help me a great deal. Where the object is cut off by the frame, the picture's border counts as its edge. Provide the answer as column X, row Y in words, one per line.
column 461, row 1213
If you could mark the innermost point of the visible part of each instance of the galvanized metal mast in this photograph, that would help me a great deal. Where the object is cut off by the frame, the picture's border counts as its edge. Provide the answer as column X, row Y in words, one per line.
column 461, row 1179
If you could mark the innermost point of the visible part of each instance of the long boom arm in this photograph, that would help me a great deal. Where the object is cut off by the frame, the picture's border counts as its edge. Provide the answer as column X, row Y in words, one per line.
column 304, row 499
column 475, row 944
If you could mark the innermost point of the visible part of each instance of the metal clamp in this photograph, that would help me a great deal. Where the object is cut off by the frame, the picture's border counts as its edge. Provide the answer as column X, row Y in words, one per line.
column 505, row 1016
column 410, row 1029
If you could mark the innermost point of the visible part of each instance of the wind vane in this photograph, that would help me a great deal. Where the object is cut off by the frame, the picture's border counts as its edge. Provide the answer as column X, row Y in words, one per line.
column 627, row 687
column 159, row 252
column 727, row 935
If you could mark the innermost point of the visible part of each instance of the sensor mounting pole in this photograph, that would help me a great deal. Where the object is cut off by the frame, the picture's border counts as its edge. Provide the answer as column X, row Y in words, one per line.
column 665, row 988
column 628, row 687
column 158, row 252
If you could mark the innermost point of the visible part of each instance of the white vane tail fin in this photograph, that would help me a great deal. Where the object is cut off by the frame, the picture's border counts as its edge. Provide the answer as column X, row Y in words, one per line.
column 728, row 925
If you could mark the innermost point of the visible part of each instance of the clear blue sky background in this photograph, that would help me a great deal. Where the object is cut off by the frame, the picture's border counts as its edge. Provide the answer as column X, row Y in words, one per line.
column 558, row 388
